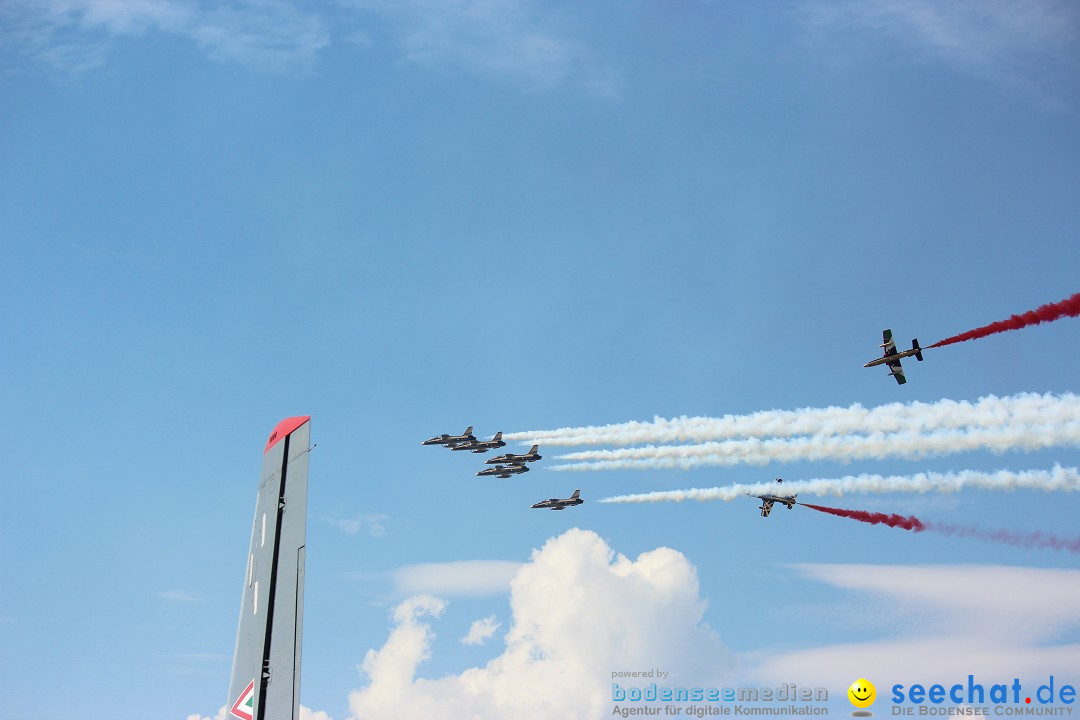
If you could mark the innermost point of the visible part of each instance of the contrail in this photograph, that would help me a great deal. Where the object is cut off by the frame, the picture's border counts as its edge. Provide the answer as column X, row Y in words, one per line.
column 843, row 448
column 1057, row 479
column 1069, row 307
column 1029, row 540
column 989, row 411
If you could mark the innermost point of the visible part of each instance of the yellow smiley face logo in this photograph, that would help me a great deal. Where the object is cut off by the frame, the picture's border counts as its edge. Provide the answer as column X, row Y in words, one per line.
column 862, row 693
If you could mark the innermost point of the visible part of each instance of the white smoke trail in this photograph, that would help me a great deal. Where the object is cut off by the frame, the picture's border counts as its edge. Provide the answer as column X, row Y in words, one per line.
column 1058, row 479
column 989, row 411
column 846, row 448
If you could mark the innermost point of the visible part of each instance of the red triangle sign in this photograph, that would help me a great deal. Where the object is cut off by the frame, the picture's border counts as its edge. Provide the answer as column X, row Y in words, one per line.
column 244, row 707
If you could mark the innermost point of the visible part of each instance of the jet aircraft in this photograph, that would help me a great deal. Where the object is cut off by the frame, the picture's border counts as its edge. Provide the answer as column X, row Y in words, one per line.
column 504, row 471
column 892, row 357
column 481, row 446
column 531, row 456
column 450, row 440
column 768, row 499
column 557, row 504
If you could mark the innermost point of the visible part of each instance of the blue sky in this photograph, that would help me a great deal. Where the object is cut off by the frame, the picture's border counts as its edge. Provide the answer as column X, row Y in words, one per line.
column 406, row 218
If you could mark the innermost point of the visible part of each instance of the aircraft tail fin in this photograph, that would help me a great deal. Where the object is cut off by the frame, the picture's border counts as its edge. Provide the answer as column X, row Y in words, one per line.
column 576, row 495
column 468, row 431
column 917, row 349
column 533, row 449
column 498, row 435
column 265, row 680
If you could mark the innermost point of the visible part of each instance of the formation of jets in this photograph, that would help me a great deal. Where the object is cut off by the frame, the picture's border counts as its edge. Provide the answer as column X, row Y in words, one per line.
column 770, row 499
column 504, row 465
column 892, row 358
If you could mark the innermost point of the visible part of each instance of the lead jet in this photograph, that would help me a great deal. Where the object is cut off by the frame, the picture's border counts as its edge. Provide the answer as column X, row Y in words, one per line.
column 504, row 471
column 767, row 500
column 450, row 440
column 531, row 456
column 481, row 446
column 892, row 357
column 557, row 504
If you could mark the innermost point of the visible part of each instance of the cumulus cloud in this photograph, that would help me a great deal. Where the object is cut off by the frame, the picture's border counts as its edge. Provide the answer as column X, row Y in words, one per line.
column 579, row 613
column 990, row 620
column 481, row 631
column 309, row 714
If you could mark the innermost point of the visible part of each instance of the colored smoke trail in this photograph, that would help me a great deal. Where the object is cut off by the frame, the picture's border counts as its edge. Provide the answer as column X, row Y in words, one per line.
column 1058, row 479
column 1069, row 307
column 945, row 414
column 1028, row 540
column 910, row 522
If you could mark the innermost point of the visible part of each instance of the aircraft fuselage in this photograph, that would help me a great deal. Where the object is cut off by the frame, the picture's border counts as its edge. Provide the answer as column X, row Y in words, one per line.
column 894, row 356
column 788, row 500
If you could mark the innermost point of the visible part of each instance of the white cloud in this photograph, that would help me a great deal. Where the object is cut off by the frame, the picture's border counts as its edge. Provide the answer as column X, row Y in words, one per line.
column 221, row 713
column 309, row 714
column 373, row 523
column 270, row 35
column 517, row 40
column 1000, row 39
column 180, row 596
column 75, row 35
column 992, row 620
column 481, row 631
column 124, row 17
column 464, row 577
column 580, row 612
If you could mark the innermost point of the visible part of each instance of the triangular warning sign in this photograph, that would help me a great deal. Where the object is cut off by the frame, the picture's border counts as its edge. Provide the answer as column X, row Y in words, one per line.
column 244, row 707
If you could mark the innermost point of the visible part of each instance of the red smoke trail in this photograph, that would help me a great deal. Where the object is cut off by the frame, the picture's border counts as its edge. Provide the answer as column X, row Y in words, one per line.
column 1069, row 307
column 1027, row 540
column 874, row 518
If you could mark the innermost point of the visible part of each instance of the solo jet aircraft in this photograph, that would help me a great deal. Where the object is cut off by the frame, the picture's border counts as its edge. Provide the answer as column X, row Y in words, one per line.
column 450, row 440
column 557, row 504
column 531, row 456
column 767, row 500
column 481, row 446
column 504, row 471
column 892, row 357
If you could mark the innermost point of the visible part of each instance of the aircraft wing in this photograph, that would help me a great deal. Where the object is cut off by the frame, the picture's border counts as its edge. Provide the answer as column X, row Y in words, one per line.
column 766, row 507
column 897, row 370
column 265, row 682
